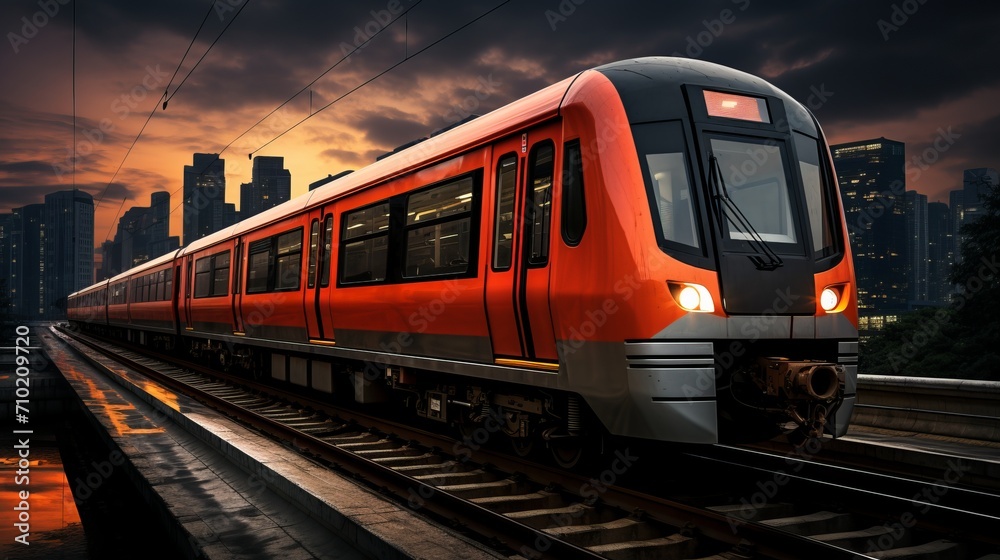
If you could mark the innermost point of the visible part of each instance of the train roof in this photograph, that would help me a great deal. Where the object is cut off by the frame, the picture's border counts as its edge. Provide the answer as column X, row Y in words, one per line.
column 537, row 107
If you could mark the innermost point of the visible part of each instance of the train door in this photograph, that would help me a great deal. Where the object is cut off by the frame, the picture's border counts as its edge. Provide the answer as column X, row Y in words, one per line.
column 517, row 278
column 237, row 288
column 188, row 283
column 318, row 294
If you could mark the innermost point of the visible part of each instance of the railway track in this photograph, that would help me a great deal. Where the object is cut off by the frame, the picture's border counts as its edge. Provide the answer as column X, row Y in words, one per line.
column 535, row 511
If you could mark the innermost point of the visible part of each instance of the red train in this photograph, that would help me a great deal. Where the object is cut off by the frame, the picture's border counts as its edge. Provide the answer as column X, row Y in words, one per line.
column 651, row 248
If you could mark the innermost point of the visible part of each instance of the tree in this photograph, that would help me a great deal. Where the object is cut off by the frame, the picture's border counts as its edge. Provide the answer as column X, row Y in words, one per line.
column 978, row 271
column 959, row 341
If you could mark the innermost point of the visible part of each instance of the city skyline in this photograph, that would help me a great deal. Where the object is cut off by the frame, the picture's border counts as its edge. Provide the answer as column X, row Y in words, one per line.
column 853, row 64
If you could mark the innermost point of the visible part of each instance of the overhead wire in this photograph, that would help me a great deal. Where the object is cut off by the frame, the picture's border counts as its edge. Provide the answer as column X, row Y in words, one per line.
column 166, row 90
column 151, row 113
column 324, row 73
column 406, row 58
column 193, row 68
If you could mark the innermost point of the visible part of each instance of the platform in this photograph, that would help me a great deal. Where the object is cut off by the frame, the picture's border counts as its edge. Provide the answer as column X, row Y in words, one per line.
column 225, row 491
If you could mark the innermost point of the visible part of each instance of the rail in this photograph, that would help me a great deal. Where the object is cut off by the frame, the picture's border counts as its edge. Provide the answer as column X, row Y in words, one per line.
column 945, row 407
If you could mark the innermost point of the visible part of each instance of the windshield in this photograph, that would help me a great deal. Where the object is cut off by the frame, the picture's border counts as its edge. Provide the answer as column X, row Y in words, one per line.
column 755, row 180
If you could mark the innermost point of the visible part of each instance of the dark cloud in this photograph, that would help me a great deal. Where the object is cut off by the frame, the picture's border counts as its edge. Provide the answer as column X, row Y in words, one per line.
column 874, row 67
column 32, row 166
column 388, row 127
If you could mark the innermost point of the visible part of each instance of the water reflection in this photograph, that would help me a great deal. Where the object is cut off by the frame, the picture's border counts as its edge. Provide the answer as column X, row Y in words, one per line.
column 54, row 521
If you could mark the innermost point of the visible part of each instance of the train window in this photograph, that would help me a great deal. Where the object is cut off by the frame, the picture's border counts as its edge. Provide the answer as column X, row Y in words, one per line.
column 818, row 202
column 289, row 261
column 673, row 199
column 275, row 263
column 168, row 289
column 762, row 195
column 220, row 274
column 257, row 271
column 366, row 244
column 327, row 242
column 503, row 227
column 211, row 275
column 574, row 210
column 672, row 193
column 439, row 230
column 540, row 201
column 313, row 252
column 439, row 202
column 370, row 221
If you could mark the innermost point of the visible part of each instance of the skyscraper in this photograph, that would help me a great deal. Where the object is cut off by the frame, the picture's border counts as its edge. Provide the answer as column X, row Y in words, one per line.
column 967, row 203
column 69, row 247
column 7, row 264
column 29, row 243
column 872, row 185
column 204, row 197
column 270, row 185
column 916, row 235
column 975, row 184
column 159, row 241
column 142, row 235
column 939, row 253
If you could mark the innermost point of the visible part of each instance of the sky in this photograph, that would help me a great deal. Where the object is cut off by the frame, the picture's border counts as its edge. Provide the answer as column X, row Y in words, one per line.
column 918, row 71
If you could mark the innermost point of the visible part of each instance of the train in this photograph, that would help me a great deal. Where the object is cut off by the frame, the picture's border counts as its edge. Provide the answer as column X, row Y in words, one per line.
column 654, row 248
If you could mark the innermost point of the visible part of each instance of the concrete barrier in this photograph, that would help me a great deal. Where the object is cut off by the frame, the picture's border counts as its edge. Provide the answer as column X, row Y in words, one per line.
column 947, row 407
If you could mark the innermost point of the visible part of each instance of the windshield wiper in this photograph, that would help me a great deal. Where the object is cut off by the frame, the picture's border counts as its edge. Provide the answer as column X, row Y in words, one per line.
column 765, row 257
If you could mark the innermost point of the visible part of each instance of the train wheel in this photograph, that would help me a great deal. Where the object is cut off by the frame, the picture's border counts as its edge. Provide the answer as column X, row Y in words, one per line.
column 523, row 446
column 567, row 454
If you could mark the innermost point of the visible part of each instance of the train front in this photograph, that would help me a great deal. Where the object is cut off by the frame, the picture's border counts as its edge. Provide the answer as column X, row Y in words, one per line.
column 756, row 324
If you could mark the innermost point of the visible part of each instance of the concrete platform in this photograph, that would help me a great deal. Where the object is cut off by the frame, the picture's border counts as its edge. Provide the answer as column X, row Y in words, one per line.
column 227, row 492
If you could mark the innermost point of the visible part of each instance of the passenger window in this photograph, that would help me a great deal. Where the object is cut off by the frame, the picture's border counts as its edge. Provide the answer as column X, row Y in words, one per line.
column 540, row 201
column 439, row 230
column 365, row 244
column 313, row 252
column 289, row 261
column 327, row 251
column 275, row 263
column 503, row 220
column 257, row 270
column 211, row 275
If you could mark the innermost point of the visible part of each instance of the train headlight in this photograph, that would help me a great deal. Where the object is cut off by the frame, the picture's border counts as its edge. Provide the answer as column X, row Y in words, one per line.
column 829, row 299
column 833, row 299
column 692, row 297
column 689, row 298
